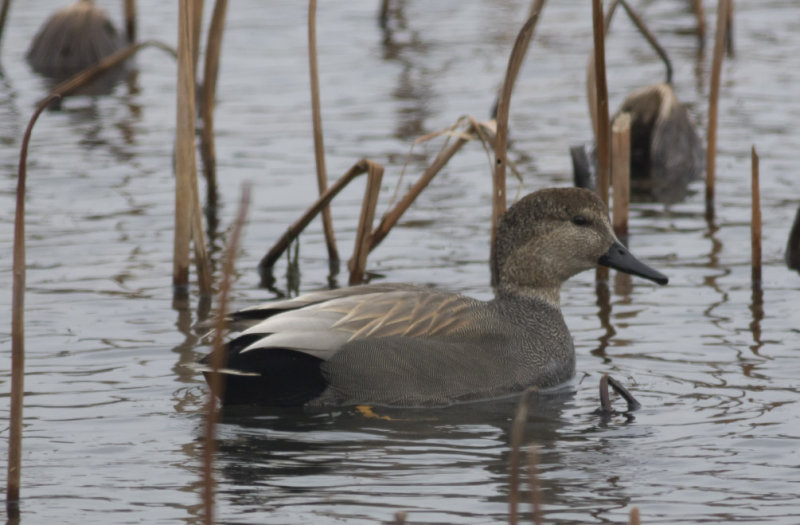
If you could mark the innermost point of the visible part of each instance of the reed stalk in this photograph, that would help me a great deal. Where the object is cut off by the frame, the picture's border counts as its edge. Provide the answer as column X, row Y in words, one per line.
column 184, row 150
column 208, row 101
column 219, row 356
column 383, row 14
column 603, row 126
column 601, row 111
column 621, row 172
column 646, row 33
column 697, row 6
column 277, row 249
column 634, row 517
column 197, row 30
column 81, row 78
column 517, row 431
column 729, row 47
column 501, row 140
column 363, row 240
column 755, row 220
column 3, row 16
column 533, row 482
column 319, row 145
column 713, row 98
column 18, row 326
column 130, row 20
column 188, row 216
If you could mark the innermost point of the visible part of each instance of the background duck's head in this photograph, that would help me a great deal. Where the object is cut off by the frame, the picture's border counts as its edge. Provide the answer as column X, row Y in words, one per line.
column 552, row 234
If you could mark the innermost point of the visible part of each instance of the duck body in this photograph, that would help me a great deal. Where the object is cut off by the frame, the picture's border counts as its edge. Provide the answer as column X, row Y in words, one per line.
column 406, row 345
column 397, row 345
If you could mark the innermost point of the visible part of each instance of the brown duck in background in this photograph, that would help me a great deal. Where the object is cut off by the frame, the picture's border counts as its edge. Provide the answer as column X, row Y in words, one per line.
column 404, row 345
column 73, row 39
column 666, row 151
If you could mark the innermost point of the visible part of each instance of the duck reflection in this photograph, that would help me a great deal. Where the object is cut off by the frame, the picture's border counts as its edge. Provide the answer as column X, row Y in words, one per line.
column 452, row 461
column 414, row 92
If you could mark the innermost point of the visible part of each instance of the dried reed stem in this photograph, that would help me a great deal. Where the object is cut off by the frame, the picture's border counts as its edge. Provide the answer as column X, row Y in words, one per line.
column 130, row 20
column 649, row 36
column 363, row 240
column 188, row 216
column 3, row 16
column 18, row 326
column 621, row 172
column 500, row 146
column 197, row 29
column 87, row 75
column 731, row 52
column 208, row 101
column 319, row 146
column 218, row 357
column 634, row 516
column 601, row 111
column 295, row 229
column 383, row 14
column 713, row 98
column 697, row 5
column 602, row 138
column 533, row 482
column 755, row 220
column 517, row 431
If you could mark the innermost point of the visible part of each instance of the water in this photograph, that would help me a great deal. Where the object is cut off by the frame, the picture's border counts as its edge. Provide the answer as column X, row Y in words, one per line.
column 113, row 420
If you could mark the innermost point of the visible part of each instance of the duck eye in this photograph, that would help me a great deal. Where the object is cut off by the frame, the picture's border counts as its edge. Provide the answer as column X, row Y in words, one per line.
column 580, row 220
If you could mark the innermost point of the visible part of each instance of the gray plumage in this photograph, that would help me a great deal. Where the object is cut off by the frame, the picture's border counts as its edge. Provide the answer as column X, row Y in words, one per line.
column 406, row 345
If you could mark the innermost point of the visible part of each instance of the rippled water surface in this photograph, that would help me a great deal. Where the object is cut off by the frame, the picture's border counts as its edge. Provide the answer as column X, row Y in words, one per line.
column 113, row 419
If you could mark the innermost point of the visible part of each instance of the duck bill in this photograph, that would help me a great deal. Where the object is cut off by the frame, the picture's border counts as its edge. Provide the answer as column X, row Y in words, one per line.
column 619, row 258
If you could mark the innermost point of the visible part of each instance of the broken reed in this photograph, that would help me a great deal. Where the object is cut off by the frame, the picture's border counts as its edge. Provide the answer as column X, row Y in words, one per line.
column 713, row 98
column 218, row 357
column 319, row 145
column 18, row 326
column 648, row 35
column 755, row 220
column 208, row 101
column 374, row 172
column 621, row 173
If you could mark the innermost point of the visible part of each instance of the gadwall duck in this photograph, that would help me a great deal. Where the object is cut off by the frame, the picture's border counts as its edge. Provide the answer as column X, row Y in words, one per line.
column 404, row 345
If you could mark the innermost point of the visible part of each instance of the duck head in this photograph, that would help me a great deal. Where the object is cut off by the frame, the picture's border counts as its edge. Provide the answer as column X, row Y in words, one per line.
column 552, row 234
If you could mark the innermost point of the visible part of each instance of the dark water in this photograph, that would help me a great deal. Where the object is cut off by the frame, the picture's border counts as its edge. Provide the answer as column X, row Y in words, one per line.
column 113, row 420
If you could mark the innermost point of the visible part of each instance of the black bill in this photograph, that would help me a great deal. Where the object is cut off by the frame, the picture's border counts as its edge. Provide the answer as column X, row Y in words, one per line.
column 619, row 258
